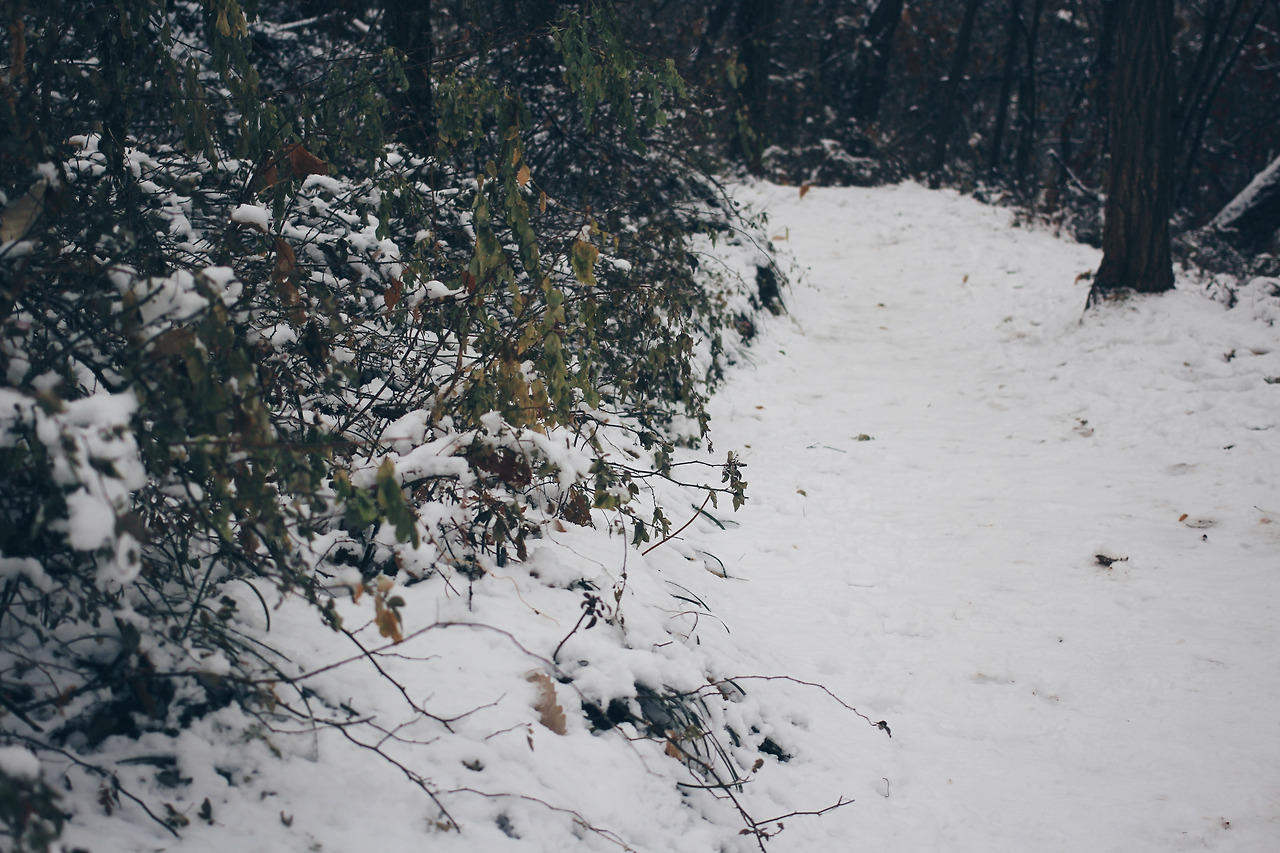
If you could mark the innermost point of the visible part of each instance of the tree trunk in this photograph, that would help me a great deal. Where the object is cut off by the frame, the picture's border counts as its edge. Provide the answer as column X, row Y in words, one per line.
column 1135, row 239
column 996, row 155
column 1252, row 218
column 754, row 36
column 1195, row 120
column 871, row 62
column 1023, row 169
column 948, row 106
column 407, row 24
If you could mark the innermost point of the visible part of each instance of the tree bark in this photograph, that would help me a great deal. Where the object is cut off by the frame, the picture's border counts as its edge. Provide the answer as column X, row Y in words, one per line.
column 1135, row 239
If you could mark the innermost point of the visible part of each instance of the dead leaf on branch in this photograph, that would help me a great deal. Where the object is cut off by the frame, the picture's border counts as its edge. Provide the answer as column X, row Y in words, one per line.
column 304, row 163
column 391, row 296
column 286, row 262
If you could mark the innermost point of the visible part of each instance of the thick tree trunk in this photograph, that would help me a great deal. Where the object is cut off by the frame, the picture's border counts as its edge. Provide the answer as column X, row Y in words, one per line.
column 1135, row 240
column 407, row 24
column 948, row 106
column 1252, row 218
column 871, row 62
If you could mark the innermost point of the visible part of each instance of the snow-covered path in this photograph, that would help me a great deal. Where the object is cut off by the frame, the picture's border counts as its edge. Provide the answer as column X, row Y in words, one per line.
column 937, row 452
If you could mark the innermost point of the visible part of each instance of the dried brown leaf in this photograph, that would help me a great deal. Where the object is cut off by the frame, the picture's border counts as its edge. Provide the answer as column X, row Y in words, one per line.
column 304, row 163
column 550, row 714
column 391, row 296
column 286, row 263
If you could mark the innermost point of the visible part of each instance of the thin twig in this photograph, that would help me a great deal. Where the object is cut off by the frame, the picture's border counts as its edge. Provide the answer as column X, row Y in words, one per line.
column 876, row 724
column 683, row 526
column 413, row 777
column 839, row 804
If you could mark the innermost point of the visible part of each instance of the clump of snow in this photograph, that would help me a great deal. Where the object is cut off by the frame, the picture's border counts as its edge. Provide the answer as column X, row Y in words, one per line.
column 19, row 763
column 438, row 290
column 252, row 214
column 95, row 459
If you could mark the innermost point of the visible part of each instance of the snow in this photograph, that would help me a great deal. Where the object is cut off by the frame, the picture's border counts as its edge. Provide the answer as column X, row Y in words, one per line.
column 90, row 521
column 19, row 763
column 252, row 214
column 945, row 573
column 939, row 446
column 438, row 290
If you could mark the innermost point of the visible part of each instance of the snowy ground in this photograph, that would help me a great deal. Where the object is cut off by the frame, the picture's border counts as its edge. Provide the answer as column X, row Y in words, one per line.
column 944, row 574
column 938, row 450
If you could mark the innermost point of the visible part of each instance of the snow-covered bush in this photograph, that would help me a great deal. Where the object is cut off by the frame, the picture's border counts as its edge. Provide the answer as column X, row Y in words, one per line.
column 253, row 349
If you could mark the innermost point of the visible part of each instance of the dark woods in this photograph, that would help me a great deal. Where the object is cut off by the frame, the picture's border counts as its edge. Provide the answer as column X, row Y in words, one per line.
column 1008, row 98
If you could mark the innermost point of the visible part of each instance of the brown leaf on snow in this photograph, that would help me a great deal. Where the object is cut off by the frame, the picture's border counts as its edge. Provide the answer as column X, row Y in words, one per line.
column 550, row 714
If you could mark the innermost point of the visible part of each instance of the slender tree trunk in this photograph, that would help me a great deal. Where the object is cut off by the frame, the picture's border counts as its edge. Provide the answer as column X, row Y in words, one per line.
column 1135, row 240
column 1197, row 119
column 948, row 107
column 754, row 35
column 1012, row 30
column 871, row 61
column 716, row 18
column 408, row 29
column 1023, row 168
column 1209, row 40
